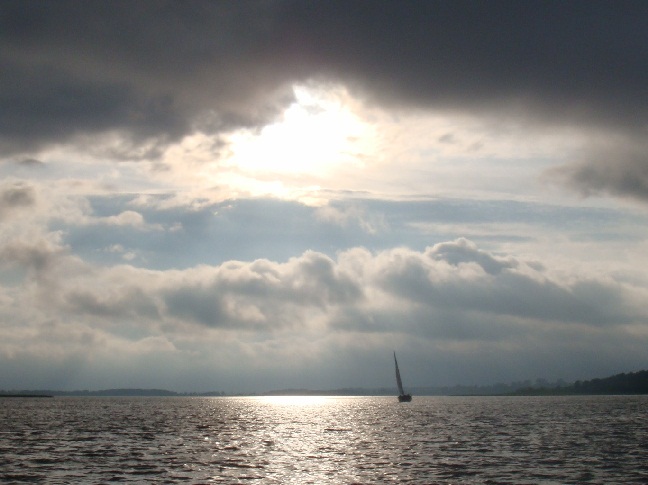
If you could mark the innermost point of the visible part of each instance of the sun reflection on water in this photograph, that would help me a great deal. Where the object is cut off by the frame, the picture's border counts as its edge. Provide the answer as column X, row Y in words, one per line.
column 295, row 400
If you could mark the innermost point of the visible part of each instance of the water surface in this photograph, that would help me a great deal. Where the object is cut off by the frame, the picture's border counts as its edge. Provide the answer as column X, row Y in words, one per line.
column 344, row 440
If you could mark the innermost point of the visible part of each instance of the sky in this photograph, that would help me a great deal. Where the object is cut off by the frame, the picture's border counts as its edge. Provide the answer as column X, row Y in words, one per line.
column 256, row 195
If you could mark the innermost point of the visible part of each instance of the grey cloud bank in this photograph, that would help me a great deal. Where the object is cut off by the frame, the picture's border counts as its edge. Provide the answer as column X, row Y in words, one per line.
column 155, row 71
column 449, row 306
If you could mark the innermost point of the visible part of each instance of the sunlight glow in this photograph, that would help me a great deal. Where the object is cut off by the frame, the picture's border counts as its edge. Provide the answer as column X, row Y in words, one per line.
column 326, row 141
column 316, row 133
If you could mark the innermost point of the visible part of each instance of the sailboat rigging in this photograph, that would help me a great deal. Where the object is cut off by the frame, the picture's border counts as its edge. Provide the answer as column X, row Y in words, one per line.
column 402, row 397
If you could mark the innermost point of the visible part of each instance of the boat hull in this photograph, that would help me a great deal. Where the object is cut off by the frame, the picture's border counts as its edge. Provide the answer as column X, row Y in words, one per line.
column 405, row 398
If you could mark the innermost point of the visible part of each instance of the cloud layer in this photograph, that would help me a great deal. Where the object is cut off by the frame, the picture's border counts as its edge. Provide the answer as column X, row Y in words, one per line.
column 261, row 194
column 154, row 72
column 447, row 304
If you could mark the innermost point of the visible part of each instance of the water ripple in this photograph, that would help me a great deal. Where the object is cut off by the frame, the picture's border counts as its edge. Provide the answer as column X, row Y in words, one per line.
column 546, row 440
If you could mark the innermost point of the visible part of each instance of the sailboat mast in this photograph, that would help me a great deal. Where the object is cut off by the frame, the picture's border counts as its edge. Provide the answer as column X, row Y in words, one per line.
column 398, row 377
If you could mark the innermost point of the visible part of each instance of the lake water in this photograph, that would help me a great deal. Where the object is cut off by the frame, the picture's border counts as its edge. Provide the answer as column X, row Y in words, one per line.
column 328, row 440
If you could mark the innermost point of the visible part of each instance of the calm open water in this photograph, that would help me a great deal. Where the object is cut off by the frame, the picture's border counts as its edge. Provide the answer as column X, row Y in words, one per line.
column 471, row 440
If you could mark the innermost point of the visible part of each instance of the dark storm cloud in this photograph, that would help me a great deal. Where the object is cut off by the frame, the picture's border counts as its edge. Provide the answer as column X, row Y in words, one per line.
column 580, row 58
column 151, row 70
column 154, row 71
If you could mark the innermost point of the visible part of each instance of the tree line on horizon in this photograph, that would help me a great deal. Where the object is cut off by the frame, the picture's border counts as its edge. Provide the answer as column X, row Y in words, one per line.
column 624, row 383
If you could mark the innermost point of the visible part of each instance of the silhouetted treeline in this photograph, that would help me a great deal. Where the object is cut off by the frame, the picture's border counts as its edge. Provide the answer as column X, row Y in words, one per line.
column 630, row 383
column 497, row 389
column 24, row 395
column 624, row 383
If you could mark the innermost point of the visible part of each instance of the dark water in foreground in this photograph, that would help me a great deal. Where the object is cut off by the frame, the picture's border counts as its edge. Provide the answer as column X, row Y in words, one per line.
column 472, row 440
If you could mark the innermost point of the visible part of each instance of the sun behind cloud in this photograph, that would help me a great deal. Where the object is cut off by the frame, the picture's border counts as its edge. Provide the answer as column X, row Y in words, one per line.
column 323, row 136
column 316, row 134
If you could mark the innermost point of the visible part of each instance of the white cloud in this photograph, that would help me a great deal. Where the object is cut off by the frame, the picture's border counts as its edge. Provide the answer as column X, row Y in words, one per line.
column 453, row 296
column 126, row 218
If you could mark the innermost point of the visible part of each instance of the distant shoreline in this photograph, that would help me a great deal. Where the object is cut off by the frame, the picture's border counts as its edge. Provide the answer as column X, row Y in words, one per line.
column 25, row 395
column 521, row 393
column 632, row 383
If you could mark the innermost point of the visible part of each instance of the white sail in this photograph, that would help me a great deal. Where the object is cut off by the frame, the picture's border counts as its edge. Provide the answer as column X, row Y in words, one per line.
column 398, row 377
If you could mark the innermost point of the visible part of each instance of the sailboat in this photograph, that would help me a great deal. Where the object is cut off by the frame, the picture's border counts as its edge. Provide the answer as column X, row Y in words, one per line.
column 402, row 397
